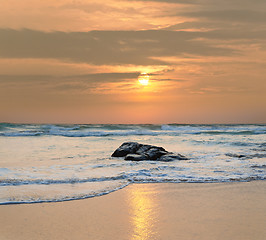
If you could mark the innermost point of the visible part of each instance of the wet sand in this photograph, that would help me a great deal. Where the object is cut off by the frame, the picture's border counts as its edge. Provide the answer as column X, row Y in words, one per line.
column 164, row 211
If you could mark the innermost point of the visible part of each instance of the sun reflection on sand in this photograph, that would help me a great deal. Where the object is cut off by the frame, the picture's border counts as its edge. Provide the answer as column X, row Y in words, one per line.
column 144, row 214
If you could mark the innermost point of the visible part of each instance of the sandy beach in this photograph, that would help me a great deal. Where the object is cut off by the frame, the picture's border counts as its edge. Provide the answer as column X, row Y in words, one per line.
column 146, row 211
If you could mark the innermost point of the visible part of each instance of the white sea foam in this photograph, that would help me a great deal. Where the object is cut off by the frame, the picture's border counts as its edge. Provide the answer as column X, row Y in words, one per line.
column 127, row 130
column 65, row 162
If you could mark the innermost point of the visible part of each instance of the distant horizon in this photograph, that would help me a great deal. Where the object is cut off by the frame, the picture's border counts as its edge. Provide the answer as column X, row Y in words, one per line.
column 170, row 123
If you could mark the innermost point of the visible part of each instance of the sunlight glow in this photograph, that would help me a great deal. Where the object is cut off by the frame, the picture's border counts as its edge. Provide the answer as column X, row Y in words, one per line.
column 144, row 79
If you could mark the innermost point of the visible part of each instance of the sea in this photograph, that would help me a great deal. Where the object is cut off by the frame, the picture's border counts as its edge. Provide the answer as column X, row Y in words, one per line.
column 51, row 162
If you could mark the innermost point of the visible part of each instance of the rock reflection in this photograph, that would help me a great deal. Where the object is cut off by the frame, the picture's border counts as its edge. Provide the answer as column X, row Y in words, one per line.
column 144, row 213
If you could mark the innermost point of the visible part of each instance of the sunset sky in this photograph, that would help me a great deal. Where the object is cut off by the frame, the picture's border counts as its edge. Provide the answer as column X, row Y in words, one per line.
column 80, row 61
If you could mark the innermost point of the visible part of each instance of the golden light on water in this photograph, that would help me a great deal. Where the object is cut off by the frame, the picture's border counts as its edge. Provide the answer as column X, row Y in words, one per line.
column 144, row 79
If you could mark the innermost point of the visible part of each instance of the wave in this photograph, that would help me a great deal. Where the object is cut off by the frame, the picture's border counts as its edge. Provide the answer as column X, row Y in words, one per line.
column 143, row 175
column 21, row 134
column 92, row 130
column 62, row 193
column 17, row 182
column 217, row 129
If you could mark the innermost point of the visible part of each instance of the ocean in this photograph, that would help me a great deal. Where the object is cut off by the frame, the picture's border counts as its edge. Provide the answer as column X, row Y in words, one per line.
column 50, row 163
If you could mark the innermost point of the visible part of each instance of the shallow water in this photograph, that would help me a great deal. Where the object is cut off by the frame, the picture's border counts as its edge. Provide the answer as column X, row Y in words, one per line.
column 41, row 163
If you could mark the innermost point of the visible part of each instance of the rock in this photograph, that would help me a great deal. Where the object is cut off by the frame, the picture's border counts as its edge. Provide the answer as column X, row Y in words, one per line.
column 235, row 155
column 155, row 153
column 143, row 148
column 138, row 152
column 126, row 148
column 171, row 157
column 248, row 156
column 136, row 157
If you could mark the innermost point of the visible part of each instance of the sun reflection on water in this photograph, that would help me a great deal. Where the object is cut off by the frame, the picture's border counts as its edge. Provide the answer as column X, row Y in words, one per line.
column 143, row 214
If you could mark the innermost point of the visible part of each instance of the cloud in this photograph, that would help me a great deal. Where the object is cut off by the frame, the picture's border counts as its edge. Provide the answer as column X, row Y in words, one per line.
column 171, row 1
column 84, row 15
column 234, row 16
column 208, row 3
column 18, row 85
column 105, row 47
column 83, row 79
column 105, row 77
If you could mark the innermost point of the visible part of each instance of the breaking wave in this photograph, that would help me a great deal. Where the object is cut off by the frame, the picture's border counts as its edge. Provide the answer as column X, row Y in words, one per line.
column 90, row 130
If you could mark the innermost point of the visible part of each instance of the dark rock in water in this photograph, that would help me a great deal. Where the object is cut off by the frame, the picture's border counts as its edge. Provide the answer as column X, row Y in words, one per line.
column 138, row 152
column 171, row 157
column 136, row 157
column 235, row 155
column 143, row 148
column 248, row 156
column 126, row 148
column 155, row 152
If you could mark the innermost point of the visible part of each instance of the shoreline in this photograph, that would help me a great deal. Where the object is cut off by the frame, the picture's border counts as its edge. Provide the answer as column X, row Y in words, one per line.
column 120, row 188
column 230, row 210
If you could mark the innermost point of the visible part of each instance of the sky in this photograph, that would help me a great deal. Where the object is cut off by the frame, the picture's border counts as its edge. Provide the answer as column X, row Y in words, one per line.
column 82, row 61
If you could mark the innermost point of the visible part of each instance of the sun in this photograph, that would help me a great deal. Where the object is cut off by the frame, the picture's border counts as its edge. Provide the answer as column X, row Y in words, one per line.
column 143, row 79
